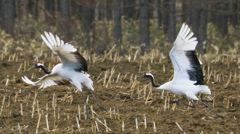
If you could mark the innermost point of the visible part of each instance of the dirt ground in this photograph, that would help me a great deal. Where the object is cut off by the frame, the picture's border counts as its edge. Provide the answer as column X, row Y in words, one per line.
column 133, row 105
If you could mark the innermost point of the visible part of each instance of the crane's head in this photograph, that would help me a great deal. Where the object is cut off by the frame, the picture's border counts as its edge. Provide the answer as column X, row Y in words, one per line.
column 37, row 65
column 147, row 74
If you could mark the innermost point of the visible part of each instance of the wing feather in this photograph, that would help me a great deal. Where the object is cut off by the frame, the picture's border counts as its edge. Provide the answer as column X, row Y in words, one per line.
column 45, row 81
column 185, row 62
column 67, row 53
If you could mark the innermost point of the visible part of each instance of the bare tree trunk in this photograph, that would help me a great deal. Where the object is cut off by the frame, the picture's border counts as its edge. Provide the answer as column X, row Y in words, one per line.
column 165, row 15
column 64, row 27
column 22, row 9
column 1, row 12
column 87, row 20
column 33, row 8
column 185, row 11
column 128, row 9
column 223, row 17
column 8, row 7
column 202, row 26
column 234, row 12
column 144, row 24
column 159, row 13
column 50, row 11
column 172, row 21
column 117, row 22
column 195, row 17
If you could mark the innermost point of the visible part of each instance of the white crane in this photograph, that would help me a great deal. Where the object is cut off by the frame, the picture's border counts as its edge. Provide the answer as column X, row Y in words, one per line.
column 188, row 75
column 72, row 69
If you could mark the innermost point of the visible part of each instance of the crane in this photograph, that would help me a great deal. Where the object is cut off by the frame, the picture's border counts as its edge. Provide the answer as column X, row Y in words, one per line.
column 188, row 75
column 73, row 68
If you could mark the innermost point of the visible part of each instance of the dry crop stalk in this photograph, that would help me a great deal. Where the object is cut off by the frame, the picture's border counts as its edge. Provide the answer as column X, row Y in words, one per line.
column 78, row 125
column 97, row 126
column 135, row 55
column 20, row 67
column 136, row 121
column 118, row 115
column 16, row 95
column 154, row 127
column 104, row 124
column 179, row 126
column 114, row 112
column 91, row 107
column 110, row 113
column 46, row 116
column 39, row 119
column 145, row 121
column 123, row 126
column 21, row 109
column 118, row 77
column 85, row 114
column 140, row 66
column 58, row 113
column 165, row 104
column 79, row 112
column 2, row 104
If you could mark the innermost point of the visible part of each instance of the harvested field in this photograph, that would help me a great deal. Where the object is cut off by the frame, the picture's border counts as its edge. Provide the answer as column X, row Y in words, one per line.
column 133, row 105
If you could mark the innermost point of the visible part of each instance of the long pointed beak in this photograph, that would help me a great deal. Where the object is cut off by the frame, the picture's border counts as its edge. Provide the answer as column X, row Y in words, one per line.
column 31, row 68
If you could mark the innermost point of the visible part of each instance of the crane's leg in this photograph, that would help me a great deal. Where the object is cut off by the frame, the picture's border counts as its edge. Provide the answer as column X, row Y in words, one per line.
column 85, row 100
column 100, row 106
column 211, row 109
column 192, row 106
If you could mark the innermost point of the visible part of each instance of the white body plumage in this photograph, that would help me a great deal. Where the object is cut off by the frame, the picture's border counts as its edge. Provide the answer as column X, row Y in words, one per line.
column 72, row 69
column 188, row 76
column 74, row 77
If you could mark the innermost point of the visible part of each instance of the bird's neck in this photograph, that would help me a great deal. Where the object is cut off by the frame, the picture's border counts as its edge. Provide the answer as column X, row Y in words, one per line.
column 43, row 68
column 153, row 82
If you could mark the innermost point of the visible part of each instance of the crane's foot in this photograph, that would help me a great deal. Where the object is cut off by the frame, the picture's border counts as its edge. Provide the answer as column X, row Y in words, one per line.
column 212, row 110
column 100, row 106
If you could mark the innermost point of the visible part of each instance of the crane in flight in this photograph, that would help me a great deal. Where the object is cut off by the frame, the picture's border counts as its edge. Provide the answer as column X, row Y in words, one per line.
column 188, row 74
column 73, row 68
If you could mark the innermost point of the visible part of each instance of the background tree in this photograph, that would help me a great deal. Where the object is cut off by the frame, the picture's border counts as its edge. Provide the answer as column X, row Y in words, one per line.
column 172, row 21
column 159, row 12
column 165, row 15
column 33, row 8
column 234, row 10
column 202, row 26
column 223, row 17
column 64, row 24
column 8, row 16
column 21, row 9
column 87, row 21
column 185, row 10
column 129, row 10
column 144, row 24
column 78, row 17
column 1, row 12
column 194, row 20
column 117, row 18
column 50, row 11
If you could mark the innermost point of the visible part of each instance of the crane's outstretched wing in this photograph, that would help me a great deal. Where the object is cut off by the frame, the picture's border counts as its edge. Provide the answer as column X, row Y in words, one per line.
column 46, row 81
column 185, row 62
column 68, row 54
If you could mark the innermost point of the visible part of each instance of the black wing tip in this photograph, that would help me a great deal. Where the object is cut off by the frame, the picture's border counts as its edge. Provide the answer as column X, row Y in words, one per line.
column 82, row 61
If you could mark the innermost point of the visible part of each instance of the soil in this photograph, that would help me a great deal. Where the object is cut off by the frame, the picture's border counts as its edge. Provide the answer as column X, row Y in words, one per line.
column 128, row 97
